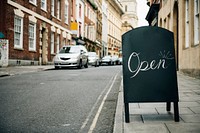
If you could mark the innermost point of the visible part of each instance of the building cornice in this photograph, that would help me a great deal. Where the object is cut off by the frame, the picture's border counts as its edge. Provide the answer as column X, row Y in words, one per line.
column 92, row 4
column 115, row 3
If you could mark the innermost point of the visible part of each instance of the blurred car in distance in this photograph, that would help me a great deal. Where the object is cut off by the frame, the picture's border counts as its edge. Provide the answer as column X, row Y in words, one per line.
column 115, row 60
column 71, row 56
column 120, row 61
column 93, row 59
column 106, row 60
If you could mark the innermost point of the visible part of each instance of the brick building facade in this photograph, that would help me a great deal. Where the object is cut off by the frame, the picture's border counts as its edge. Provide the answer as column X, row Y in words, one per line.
column 36, row 29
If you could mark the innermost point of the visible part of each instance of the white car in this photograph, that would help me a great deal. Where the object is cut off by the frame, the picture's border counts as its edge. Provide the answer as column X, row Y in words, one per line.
column 93, row 59
column 106, row 60
column 115, row 60
column 120, row 61
column 71, row 56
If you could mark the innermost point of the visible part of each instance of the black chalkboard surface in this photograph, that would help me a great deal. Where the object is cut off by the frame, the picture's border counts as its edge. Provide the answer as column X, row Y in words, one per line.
column 149, row 67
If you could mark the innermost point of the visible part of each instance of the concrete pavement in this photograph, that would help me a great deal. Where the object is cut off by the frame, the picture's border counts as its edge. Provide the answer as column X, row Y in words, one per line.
column 153, row 117
column 13, row 70
column 147, row 117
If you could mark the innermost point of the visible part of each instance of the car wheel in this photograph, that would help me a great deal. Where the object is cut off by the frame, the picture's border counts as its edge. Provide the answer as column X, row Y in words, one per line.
column 95, row 64
column 56, row 67
column 86, row 65
column 80, row 64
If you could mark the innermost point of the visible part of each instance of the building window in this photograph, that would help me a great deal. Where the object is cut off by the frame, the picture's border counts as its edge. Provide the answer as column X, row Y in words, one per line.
column 52, row 7
column 89, row 13
column 58, row 10
column 58, row 43
column 125, row 8
column 66, row 11
column 52, row 42
column 64, row 42
column 186, row 23
column 80, row 10
column 33, row 1
column 86, row 31
column 79, row 29
column 196, row 22
column 18, row 32
column 86, row 11
column 44, row 5
column 72, row 7
column 32, row 36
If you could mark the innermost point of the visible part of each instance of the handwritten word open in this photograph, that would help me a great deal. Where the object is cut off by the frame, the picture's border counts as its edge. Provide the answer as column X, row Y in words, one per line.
column 143, row 66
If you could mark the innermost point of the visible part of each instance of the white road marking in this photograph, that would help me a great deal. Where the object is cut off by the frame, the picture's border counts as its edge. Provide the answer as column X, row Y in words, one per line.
column 92, row 110
column 100, row 107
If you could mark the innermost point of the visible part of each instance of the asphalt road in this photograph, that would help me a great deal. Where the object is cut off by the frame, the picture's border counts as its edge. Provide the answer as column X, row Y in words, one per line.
column 64, row 100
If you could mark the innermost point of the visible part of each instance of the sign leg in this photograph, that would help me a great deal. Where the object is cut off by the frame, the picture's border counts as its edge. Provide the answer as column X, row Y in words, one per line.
column 127, row 120
column 168, row 106
column 176, row 112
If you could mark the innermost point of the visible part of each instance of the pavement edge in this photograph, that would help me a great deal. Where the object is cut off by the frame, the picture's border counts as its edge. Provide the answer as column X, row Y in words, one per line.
column 118, row 123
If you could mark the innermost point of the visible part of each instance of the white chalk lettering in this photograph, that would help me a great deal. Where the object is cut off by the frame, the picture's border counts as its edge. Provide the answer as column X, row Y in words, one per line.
column 143, row 66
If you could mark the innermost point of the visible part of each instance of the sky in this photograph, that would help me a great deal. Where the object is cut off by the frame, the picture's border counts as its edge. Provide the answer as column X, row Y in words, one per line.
column 142, row 10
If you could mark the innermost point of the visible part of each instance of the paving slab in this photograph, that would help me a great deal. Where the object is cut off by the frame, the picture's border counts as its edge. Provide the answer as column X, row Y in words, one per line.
column 136, row 119
column 145, row 128
column 191, row 118
column 162, row 118
column 196, row 110
column 185, row 110
column 189, row 98
column 143, row 111
column 152, row 105
column 189, row 104
column 184, row 127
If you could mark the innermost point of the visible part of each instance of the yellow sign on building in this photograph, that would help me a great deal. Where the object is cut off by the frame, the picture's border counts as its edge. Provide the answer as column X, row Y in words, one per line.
column 74, row 27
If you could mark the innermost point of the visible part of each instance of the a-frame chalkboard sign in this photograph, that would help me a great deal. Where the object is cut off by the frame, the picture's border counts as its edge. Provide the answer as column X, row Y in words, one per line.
column 149, row 68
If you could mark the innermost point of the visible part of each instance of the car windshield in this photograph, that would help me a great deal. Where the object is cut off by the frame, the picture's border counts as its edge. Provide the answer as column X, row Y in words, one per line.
column 70, row 50
column 106, row 57
column 92, row 54
column 114, row 57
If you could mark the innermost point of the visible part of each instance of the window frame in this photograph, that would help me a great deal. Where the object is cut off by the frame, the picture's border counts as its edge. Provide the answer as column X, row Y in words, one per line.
column 58, row 9
column 53, row 8
column 33, row 48
column 196, row 22
column 58, row 43
column 66, row 12
column 18, row 30
column 52, row 42
column 44, row 2
column 186, row 23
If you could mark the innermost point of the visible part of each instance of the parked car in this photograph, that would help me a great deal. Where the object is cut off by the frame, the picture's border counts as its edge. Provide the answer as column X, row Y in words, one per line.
column 71, row 56
column 106, row 60
column 120, row 60
column 93, row 59
column 115, row 60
